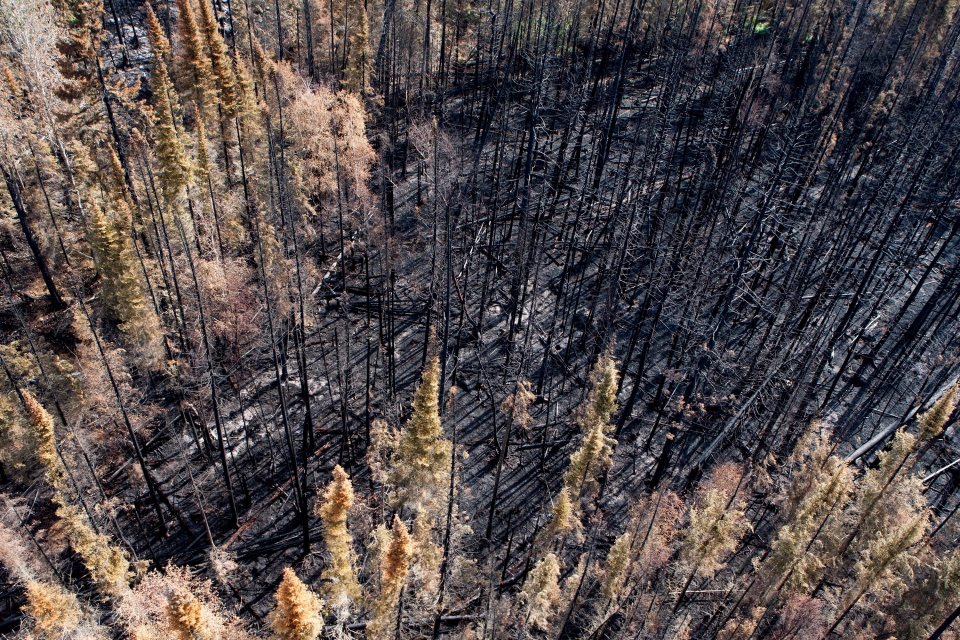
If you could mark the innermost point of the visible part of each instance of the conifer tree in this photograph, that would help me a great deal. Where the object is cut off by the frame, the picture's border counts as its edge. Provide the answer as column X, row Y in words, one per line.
column 616, row 565
column 220, row 63
column 157, row 37
column 86, row 79
column 123, row 289
column 819, row 487
column 173, row 171
column 299, row 611
column 930, row 424
column 341, row 586
column 203, row 167
column 421, row 460
column 716, row 524
column 889, row 518
column 541, row 593
column 635, row 556
column 187, row 618
column 595, row 454
column 195, row 58
column 885, row 494
column 174, row 604
column 602, row 400
column 885, row 562
column 570, row 590
column 54, row 610
column 274, row 266
column 227, row 229
column 204, row 177
column 245, row 88
column 930, row 600
column 41, row 423
column 877, row 482
column 108, row 565
column 264, row 68
column 394, row 552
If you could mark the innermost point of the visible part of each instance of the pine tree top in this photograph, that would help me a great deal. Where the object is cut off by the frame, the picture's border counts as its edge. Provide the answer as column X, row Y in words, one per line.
column 337, row 499
column 221, row 68
column 341, row 581
column 930, row 424
column 42, row 423
column 195, row 55
column 156, row 36
column 186, row 616
column 421, row 459
column 54, row 610
column 299, row 612
column 602, row 400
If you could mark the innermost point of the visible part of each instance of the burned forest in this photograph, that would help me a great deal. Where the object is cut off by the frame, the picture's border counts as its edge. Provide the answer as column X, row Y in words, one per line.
column 479, row 319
